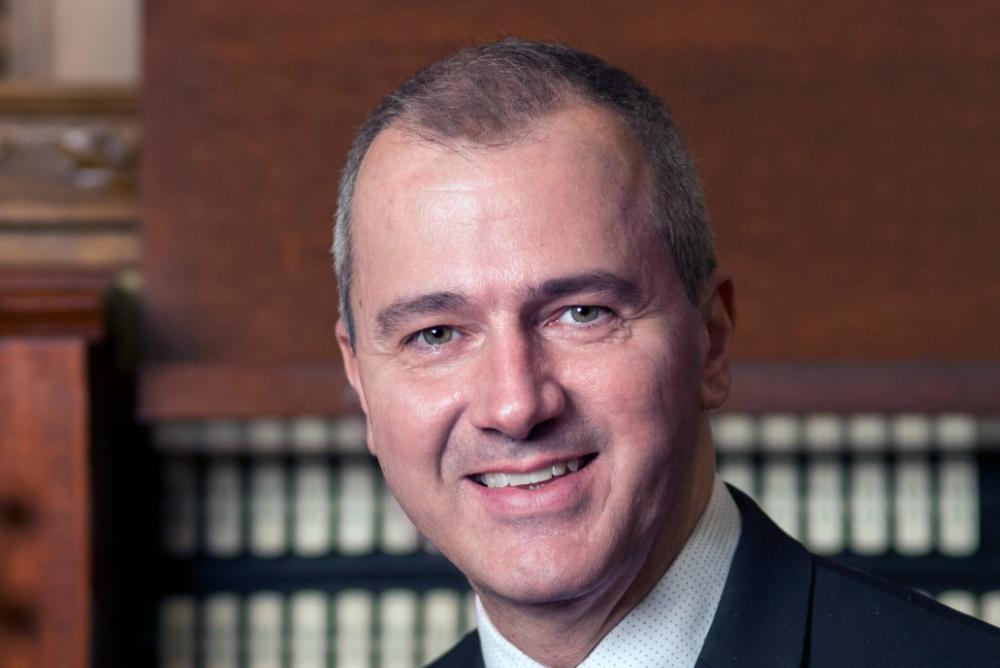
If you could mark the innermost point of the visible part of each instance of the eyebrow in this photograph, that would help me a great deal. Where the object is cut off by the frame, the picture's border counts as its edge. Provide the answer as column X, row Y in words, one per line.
column 613, row 285
column 392, row 316
column 395, row 315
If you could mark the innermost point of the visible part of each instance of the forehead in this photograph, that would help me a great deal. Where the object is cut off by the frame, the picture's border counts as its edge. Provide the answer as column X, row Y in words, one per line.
column 574, row 185
column 578, row 146
column 574, row 130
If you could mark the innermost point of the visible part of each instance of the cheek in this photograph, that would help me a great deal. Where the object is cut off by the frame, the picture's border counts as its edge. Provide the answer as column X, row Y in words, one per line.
column 409, row 425
column 401, row 408
column 651, row 415
column 645, row 389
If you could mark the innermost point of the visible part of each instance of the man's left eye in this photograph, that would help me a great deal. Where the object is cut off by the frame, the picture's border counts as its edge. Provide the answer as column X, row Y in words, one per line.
column 581, row 314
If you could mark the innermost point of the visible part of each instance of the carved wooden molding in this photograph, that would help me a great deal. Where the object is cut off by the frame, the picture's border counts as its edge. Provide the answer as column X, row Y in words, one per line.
column 36, row 99
column 191, row 391
column 885, row 386
column 62, row 304
column 213, row 390
column 68, row 177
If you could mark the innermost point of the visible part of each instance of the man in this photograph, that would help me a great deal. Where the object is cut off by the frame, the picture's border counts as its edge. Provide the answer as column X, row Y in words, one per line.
column 534, row 322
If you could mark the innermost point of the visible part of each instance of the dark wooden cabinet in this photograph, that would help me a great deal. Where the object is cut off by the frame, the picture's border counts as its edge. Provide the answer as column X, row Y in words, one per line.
column 47, row 325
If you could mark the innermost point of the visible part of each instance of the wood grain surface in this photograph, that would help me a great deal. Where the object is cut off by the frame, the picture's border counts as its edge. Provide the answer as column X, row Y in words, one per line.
column 45, row 582
column 849, row 153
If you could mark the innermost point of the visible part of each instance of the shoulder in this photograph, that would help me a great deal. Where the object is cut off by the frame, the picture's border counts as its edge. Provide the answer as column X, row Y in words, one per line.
column 466, row 654
column 781, row 601
column 864, row 620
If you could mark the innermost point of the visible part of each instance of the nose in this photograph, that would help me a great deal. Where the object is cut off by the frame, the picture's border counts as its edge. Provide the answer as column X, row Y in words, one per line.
column 516, row 391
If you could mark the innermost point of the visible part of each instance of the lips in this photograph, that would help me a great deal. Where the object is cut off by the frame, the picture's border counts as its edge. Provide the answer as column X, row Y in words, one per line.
column 531, row 479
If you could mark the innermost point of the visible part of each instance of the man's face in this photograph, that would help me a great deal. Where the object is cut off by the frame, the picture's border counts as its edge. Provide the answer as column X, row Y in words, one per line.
column 517, row 318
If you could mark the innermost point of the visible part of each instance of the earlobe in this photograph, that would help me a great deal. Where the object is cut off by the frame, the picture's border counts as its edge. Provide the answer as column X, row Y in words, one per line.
column 718, row 317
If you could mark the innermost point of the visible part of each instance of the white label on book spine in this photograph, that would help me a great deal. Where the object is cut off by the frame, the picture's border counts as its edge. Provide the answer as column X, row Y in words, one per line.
column 869, row 507
column 177, row 632
column 958, row 507
column 221, row 631
column 223, row 508
column 398, row 628
column 312, row 508
column 310, row 434
column 177, row 436
column 912, row 507
column 469, row 621
column 866, row 432
column 267, row 509
column 956, row 431
column 180, row 507
column 780, row 495
column 825, row 507
column 739, row 472
column 779, row 433
column 265, row 633
column 441, row 623
column 733, row 432
column 353, row 632
column 824, row 432
column 399, row 536
column 989, row 607
column 266, row 435
column 222, row 436
column 356, row 508
column 347, row 434
column 960, row 600
column 309, row 629
column 911, row 432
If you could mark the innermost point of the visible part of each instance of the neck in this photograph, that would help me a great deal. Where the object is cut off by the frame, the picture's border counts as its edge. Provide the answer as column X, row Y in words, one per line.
column 561, row 635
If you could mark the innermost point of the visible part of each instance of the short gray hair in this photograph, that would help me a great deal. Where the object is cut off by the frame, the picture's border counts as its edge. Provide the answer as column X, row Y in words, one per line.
column 491, row 93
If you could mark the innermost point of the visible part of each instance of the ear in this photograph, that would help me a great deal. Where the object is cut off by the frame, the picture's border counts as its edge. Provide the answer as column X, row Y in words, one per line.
column 719, row 321
column 347, row 352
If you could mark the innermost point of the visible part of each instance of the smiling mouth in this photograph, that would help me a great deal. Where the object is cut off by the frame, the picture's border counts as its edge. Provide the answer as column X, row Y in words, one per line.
column 533, row 479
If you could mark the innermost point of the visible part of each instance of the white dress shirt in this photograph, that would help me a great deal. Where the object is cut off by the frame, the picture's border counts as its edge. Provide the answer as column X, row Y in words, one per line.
column 669, row 626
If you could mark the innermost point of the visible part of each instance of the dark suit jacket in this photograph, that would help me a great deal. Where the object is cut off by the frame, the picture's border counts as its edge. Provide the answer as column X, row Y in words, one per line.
column 783, row 606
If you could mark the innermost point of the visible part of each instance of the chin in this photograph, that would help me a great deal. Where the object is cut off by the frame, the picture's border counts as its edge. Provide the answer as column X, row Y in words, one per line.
column 535, row 578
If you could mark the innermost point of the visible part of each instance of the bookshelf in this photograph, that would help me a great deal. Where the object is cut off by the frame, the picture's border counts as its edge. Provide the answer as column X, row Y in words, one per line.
column 291, row 514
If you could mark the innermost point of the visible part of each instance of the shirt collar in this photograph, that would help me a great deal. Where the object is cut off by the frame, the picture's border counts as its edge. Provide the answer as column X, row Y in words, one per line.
column 668, row 627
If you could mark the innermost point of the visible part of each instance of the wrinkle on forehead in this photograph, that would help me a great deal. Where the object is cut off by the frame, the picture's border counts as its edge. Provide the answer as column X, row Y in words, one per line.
column 579, row 169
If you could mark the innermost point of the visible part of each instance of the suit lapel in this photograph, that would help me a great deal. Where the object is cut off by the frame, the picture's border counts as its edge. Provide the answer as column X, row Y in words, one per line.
column 466, row 654
column 764, row 611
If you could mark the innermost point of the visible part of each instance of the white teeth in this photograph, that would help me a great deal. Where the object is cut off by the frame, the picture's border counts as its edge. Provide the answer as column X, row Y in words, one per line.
column 530, row 478
column 541, row 475
column 495, row 479
column 519, row 479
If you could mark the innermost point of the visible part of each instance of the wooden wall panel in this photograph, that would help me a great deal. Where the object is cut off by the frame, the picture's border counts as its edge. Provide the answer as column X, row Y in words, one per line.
column 45, row 590
column 848, row 153
column 48, row 319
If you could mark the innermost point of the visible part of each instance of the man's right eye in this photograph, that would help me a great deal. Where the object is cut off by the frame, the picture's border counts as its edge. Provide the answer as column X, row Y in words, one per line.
column 434, row 336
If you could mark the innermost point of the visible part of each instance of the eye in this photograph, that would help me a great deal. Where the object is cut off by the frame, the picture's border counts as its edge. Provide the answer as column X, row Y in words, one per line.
column 435, row 336
column 582, row 314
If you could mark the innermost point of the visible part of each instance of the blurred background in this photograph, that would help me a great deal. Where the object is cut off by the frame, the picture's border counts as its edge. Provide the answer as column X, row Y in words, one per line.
column 183, row 480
